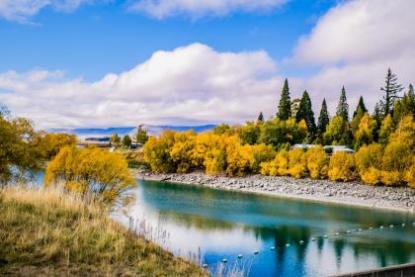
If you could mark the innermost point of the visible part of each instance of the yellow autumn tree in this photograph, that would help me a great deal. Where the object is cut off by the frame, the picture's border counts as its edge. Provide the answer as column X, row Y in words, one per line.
column 93, row 173
column 157, row 152
column 369, row 163
column 365, row 133
column 341, row 167
column 399, row 152
column 297, row 163
column 278, row 166
column 317, row 163
column 409, row 174
column 50, row 144
column 181, row 151
column 238, row 157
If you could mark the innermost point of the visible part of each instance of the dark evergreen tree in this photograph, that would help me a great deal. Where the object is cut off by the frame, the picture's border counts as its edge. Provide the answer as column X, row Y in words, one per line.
column 260, row 117
column 391, row 90
column 342, row 106
column 305, row 112
column 404, row 106
column 323, row 118
column 361, row 108
column 284, row 107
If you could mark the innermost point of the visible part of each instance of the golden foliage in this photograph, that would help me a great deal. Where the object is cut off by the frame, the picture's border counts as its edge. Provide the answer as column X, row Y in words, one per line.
column 365, row 133
column 50, row 144
column 317, row 163
column 410, row 174
column 93, row 173
column 341, row 167
column 297, row 163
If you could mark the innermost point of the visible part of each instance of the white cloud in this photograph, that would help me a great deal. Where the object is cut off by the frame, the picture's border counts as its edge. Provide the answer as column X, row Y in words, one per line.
column 187, row 85
column 354, row 43
column 21, row 10
column 198, row 8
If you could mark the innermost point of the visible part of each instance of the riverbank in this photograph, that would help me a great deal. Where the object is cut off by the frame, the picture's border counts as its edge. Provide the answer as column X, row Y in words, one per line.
column 45, row 233
column 351, row 193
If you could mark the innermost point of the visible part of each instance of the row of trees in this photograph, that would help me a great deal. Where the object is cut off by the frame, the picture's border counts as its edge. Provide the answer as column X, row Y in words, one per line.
column 362, row 128
column 384, row 141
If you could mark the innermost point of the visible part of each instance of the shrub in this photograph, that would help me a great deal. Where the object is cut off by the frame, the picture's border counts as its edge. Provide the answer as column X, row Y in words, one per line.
column 297, row 163
column 157, row 153
column 278, row 166
column 260, row 153
column 249, row 133
column 278, row 132
column 341, row 167
column 410, row 174
column 317, row 163
column 93, row 173
column 369, row 162
column 391, row 178
column 181, row 151
column 238, row 157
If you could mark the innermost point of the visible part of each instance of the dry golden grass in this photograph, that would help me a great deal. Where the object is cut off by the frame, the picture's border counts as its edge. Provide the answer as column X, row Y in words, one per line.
column 46, row 233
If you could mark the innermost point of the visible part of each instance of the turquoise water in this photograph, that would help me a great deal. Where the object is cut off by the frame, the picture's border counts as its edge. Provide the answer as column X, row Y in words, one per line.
column 212, row 225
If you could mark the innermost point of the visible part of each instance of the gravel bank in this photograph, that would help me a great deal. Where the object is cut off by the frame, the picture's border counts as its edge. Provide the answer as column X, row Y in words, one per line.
column 391, row 198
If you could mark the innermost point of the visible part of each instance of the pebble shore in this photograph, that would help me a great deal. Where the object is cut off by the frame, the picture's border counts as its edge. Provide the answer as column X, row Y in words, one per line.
column 351, row 193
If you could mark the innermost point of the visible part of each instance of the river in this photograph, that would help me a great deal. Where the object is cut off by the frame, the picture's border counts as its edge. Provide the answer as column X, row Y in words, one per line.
column 292, row 237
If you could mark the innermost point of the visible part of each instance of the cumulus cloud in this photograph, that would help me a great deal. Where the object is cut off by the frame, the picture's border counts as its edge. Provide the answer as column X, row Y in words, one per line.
column 192, row 84
column 198, row 8
column 21, row 10
column 354, row 43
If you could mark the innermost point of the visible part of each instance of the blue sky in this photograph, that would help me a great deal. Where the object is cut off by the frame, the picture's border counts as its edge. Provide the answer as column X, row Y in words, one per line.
column 102, row 63
column 101, row 38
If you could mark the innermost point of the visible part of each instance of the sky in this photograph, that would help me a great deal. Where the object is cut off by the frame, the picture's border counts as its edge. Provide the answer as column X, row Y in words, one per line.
column 103, row 63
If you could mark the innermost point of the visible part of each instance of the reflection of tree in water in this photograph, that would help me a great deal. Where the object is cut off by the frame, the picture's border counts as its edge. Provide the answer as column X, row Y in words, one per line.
column 192, row 220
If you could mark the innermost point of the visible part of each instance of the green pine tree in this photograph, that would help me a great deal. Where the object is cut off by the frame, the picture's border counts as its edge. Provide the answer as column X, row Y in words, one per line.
column 323, row 119
column 361, row 108
column 305, row 112
column 404, row 106
column 390, row 90
column 284, row 107
column 260, row 117
column 342, row 106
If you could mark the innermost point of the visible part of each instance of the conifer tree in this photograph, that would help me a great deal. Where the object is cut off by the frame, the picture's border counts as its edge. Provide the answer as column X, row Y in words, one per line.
column 323, row 118
column 358, row 115
column 391, row 90
column 404, row 106
column 284, row 107
column 305, row 112
column 342, row 106
column 361, row 108
column 260, row 117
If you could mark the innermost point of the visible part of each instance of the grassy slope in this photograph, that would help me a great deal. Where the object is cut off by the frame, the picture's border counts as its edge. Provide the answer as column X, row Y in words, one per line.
column 43, row 233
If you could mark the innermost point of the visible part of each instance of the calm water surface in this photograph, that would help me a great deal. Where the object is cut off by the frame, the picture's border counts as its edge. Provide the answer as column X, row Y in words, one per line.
column 216, row 225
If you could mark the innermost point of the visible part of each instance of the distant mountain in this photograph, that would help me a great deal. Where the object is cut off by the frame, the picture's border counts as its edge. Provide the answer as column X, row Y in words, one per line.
column 121, row 131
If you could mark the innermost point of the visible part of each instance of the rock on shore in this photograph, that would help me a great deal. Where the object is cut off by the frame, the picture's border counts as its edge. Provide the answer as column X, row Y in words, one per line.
column 351, row 193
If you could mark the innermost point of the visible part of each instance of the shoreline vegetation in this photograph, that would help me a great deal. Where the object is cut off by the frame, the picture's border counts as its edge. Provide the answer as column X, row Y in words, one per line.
column 46, row 233
column 376, row 149
column 401, row 199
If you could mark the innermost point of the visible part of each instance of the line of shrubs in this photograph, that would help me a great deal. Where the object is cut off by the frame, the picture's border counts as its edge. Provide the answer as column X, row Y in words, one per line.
column 391, row 163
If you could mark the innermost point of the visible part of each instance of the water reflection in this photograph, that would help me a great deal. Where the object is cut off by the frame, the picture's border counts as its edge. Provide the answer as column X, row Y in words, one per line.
column 223, row 224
